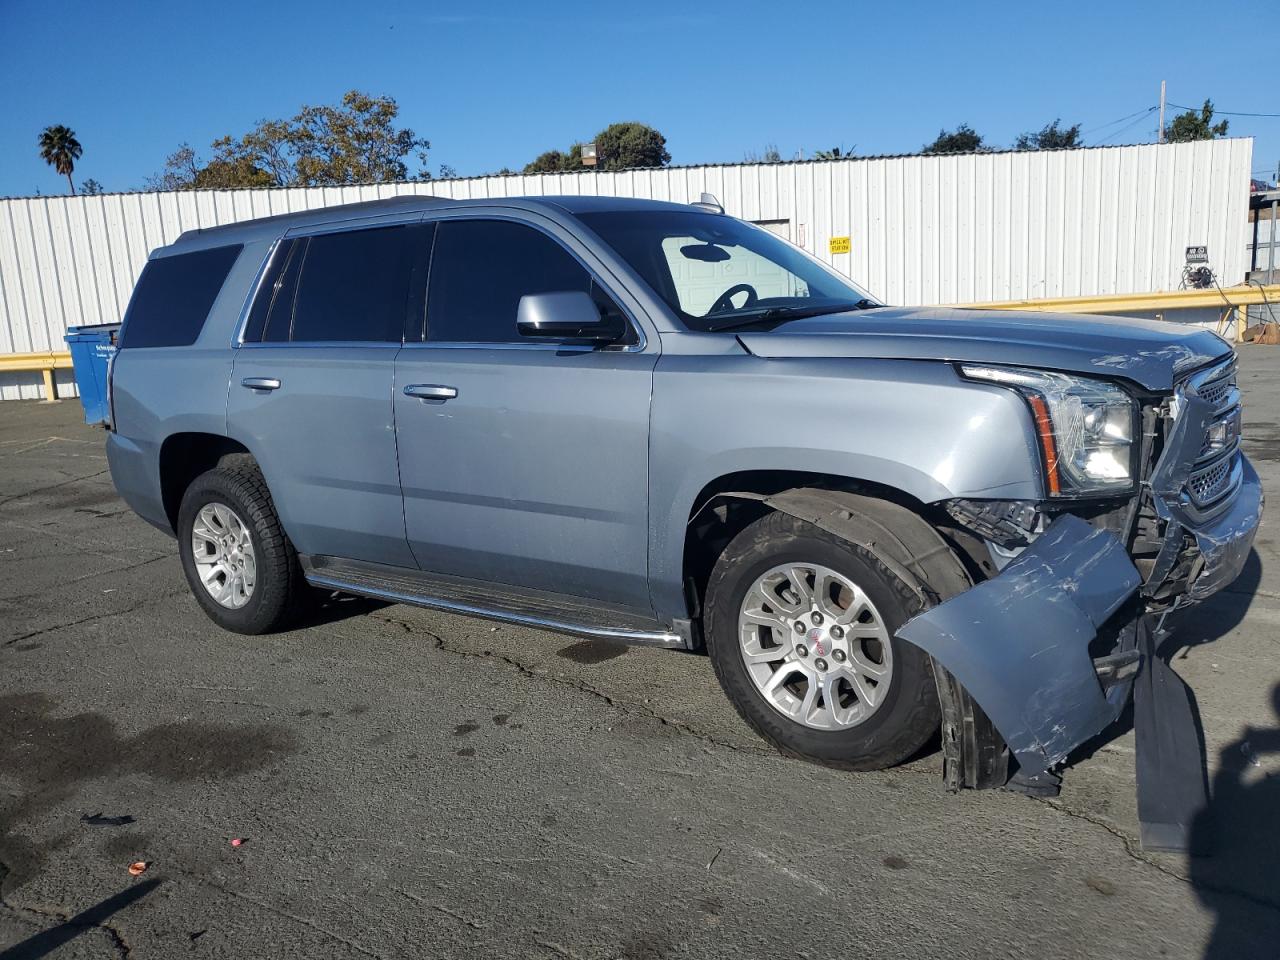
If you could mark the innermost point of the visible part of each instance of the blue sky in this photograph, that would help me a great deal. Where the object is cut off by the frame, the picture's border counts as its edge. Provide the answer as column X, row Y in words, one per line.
column 494, row 84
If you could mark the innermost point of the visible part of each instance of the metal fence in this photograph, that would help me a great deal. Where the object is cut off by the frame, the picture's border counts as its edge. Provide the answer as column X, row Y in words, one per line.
column 920, row 230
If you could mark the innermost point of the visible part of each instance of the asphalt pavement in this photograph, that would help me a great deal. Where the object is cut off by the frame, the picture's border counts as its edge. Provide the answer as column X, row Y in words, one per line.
column 414, row 784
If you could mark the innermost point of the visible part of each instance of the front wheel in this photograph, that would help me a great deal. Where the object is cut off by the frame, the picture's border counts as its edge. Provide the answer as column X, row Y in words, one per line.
column 240, row 565
column 800, row 630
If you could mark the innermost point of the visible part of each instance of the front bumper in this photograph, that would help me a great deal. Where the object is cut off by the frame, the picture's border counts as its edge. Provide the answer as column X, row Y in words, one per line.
column 1019, row 644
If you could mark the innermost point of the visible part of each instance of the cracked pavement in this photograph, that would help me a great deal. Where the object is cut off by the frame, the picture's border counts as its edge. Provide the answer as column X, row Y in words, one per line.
column 415, row 784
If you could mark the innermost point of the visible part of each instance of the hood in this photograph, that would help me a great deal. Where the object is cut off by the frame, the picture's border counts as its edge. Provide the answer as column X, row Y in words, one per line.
column 1151, row 353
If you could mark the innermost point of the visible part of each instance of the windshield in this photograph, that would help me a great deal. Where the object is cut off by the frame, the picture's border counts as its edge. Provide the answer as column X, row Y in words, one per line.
column 717, row 272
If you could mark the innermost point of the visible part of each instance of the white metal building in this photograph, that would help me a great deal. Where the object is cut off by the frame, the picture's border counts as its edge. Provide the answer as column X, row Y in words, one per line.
column 921, row 230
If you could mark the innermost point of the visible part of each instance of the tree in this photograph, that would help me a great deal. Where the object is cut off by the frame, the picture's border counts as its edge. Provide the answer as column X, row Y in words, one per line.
column 90, row 188
column 621, row 146
column 835, row 153
column 355, row 142
column 60, row 149
column 1195, row 126
column 963, row 139
column 556, row 161
column 770, row 155
column 1050, row 137
column 551, row 161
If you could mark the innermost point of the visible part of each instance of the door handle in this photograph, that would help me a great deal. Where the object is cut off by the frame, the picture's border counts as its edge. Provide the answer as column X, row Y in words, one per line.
column 430, row 391
column 260, row 383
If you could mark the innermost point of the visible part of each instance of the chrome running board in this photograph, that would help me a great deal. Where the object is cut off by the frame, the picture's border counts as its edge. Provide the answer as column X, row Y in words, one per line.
column 491, row 601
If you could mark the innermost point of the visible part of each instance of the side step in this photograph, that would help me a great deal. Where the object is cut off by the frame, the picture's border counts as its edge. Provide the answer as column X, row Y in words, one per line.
column 492, row 601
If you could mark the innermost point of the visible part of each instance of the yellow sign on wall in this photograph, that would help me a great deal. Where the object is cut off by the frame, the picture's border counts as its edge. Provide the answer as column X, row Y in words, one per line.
column 839, row 245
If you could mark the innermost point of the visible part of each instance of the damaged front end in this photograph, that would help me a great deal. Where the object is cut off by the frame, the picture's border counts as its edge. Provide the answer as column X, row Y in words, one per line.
column 1049, row 648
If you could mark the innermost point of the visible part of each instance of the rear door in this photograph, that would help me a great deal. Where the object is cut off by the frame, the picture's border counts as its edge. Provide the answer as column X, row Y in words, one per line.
column 310, row 393
column 530, row 465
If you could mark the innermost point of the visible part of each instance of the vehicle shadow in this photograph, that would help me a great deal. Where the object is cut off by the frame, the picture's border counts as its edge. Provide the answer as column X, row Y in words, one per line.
column 46, row 941
column 1220, row 614
column 1240, row 881
column 327, row 608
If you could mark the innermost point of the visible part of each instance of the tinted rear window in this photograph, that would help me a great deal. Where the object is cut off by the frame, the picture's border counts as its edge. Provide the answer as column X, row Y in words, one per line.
column 353, row 286
column 173, row 297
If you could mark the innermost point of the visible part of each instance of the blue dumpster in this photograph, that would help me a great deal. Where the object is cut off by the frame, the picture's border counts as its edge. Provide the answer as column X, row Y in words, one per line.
column 91, row 350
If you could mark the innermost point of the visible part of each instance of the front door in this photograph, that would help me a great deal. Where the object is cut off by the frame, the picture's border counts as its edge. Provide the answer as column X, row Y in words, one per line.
column 310, row 394
column 522, row 462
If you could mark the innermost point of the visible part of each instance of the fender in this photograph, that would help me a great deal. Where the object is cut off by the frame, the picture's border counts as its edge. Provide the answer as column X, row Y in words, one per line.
column 912, row 426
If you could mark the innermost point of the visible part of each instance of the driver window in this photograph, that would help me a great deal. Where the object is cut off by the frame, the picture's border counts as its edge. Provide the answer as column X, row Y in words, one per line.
column 699, row 283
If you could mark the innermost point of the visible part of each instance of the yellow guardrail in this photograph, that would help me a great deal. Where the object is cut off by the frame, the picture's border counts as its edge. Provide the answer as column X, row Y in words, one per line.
column 1228, row 300
column 45, row 363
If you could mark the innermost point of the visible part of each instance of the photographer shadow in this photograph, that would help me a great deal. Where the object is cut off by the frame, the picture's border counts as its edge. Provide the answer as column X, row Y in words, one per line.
column 1240, row 880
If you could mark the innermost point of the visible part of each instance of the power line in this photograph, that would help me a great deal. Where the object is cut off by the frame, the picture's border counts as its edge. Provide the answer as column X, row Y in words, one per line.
column 1143, row 116
column 1142, row 112
column 1229, row 113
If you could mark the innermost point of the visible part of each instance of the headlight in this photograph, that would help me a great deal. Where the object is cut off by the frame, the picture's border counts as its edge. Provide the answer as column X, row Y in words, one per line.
column 1085, row 428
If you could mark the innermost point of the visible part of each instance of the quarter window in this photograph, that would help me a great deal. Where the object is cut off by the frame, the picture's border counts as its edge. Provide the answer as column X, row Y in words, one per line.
column 481, row 268
column 174, row 296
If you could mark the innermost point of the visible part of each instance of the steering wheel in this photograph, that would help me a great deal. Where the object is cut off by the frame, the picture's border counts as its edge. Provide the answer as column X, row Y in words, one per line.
column 725, row 300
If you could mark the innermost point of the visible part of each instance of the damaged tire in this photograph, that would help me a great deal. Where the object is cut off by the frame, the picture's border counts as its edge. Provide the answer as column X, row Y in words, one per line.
column 800, row 629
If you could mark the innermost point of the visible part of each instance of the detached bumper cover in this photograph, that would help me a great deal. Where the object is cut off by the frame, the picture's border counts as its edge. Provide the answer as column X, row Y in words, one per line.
column 1019, row 643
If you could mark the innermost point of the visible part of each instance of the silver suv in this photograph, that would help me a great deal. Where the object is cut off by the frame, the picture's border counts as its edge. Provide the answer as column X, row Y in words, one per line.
column 658, row 424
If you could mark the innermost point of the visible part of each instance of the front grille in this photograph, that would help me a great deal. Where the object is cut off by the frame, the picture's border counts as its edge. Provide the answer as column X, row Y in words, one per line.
column 1214, row 476
column 1217, row 391
column 1207, row 485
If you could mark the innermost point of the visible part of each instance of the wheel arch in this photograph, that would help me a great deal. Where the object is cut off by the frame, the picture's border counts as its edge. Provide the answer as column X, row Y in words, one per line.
column 915, row 541
column 183, row 457
column 918, row 541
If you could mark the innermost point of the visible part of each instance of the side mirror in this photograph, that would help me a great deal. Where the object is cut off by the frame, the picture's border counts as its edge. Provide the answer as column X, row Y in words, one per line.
column 568, row 315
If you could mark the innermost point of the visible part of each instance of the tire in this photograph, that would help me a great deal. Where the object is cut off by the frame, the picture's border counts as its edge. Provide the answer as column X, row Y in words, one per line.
column 904, row 717
column 279, row 590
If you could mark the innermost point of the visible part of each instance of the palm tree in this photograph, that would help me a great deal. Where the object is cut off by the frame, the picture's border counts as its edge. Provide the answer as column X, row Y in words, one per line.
column 60, row 149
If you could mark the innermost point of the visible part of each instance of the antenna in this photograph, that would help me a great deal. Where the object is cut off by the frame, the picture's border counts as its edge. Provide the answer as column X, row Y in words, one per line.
column 709, row 203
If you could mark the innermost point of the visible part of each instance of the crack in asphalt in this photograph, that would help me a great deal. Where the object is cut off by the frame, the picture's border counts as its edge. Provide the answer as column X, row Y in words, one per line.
column 94, row 617
column 18, row 598
column 441, row 908
column 1134, row 851
column 1128, row 843
column 624, row 707
column 53, row 486
column 64, row 916
column 285, row 914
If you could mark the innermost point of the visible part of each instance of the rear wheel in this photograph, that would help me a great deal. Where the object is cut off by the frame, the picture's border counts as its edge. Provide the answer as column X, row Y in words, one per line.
column 240, row 565
column 800, row 629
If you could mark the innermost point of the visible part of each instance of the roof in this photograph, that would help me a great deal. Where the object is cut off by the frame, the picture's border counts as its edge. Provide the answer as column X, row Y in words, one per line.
column 264, row 228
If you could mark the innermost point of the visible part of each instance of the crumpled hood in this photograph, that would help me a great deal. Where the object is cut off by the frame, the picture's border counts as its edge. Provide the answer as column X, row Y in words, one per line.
column 1149, row 352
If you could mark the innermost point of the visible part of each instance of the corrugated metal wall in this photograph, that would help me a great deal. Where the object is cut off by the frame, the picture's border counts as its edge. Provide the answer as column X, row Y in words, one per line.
column 925, row 230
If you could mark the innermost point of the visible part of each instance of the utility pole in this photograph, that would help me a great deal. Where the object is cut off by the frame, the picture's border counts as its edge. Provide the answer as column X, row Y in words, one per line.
column 1160, row 132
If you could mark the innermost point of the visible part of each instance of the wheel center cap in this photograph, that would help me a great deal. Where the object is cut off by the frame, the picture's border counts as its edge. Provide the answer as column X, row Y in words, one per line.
column 815, row 638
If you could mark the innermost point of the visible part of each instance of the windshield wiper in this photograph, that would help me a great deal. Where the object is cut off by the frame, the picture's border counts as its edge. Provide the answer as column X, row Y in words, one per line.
column 789, row 313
